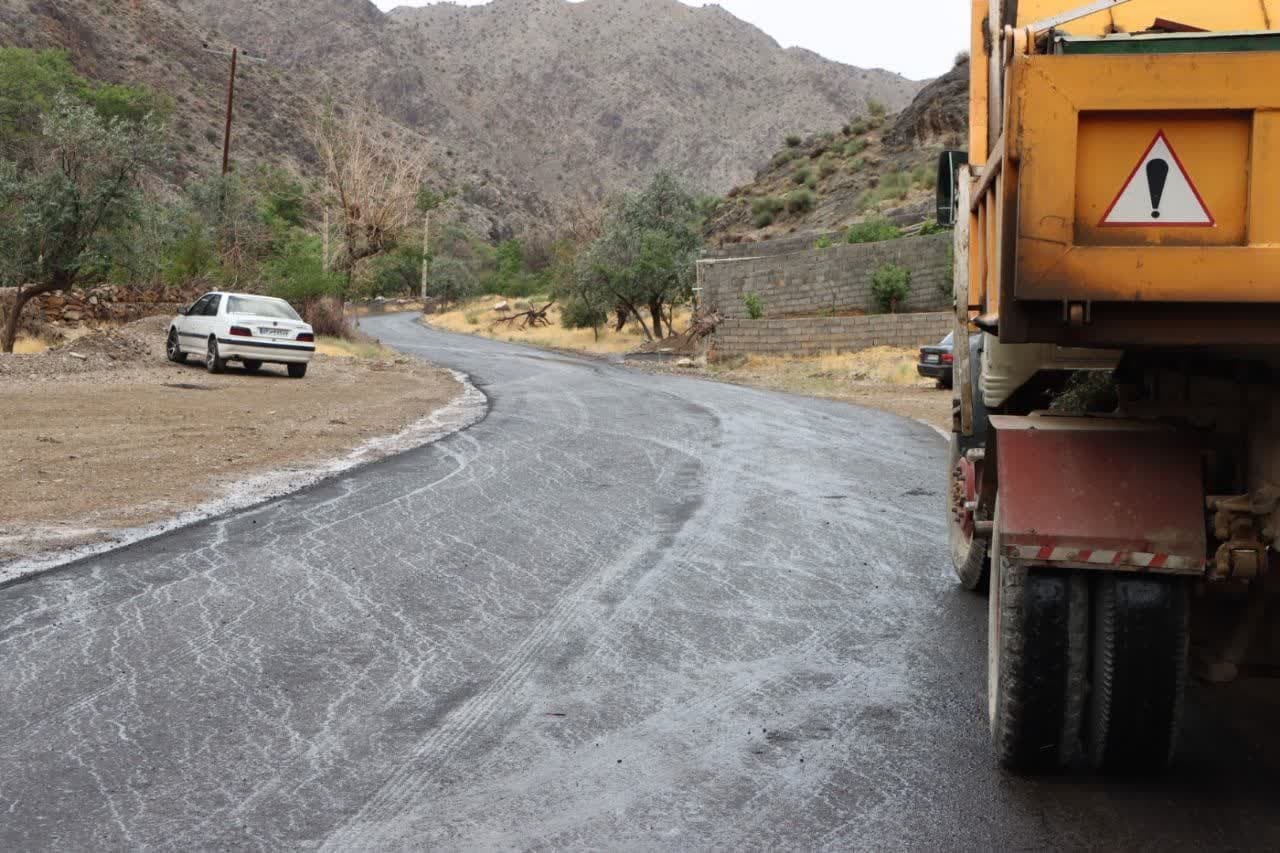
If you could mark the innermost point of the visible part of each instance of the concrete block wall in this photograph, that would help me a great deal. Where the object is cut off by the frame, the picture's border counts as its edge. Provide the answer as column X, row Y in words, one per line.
column 769, row 248
column 819, row 335
column 827, row 281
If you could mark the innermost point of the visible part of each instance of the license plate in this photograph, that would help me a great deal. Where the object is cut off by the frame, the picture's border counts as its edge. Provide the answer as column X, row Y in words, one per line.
column 274, row 333
column 931, row 359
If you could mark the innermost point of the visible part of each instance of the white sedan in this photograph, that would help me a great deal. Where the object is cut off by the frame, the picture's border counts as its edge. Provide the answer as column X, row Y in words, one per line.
column 253, row 330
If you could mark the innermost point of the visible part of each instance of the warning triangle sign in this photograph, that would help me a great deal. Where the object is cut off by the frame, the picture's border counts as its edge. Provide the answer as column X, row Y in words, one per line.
column 1159, row 194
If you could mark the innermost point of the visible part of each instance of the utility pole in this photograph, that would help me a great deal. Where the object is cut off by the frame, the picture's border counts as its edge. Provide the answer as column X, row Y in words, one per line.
column 231, row 98
column 426, row 252
column 325, row 249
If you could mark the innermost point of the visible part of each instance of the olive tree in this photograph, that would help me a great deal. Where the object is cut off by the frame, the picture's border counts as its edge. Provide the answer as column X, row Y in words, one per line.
column 644, row 259
column 77, row 185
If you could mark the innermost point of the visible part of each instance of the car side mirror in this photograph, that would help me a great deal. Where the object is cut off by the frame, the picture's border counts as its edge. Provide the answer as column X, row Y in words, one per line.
column 949, row 165
column 182, row 312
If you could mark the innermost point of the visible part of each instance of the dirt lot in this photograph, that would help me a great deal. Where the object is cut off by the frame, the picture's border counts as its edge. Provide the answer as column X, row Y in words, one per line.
column 104, row 434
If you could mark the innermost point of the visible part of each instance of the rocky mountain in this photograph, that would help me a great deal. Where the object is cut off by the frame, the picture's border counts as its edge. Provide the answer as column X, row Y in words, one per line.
column 157, row 42
column 575, row 97
column 876, row 166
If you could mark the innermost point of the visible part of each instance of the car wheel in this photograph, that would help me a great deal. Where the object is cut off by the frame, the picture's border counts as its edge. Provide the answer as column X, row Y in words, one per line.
column 173, row 350
column 297, row 371
column 252, row 365
column 214, row 362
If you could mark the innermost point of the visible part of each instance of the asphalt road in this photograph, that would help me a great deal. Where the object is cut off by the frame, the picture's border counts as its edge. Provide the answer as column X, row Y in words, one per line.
column 623, row 611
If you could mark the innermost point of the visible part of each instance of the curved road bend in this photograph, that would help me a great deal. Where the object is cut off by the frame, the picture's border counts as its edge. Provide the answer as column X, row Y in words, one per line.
column 622, row 611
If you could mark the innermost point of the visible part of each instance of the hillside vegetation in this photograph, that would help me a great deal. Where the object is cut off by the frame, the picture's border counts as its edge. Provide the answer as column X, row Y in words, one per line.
column 875, row 166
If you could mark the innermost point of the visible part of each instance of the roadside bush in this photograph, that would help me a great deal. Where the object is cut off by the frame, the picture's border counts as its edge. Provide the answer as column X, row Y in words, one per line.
column 802, row 175
column 784, row 157
column 824, row 242
column 930, row 226
column 855, row 147
column 297, row 274
column 755, row 308
column 873, row 231
column 827, row 168
column 578, row 313
column 801, row 201
column 794, row 140
column 890, row 286
column 765, row 210
column 876, row 108
column 326, row 317
column 860, row 127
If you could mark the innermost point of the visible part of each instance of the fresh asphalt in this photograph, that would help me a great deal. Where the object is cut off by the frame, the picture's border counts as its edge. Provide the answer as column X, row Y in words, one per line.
column 622, row 611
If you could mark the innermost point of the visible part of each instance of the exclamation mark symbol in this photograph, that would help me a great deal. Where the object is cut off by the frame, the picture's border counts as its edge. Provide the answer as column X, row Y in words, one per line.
column 1157, row 177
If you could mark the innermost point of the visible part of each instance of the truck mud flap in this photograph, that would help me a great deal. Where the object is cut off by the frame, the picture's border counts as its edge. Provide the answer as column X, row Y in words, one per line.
column 1100, row 494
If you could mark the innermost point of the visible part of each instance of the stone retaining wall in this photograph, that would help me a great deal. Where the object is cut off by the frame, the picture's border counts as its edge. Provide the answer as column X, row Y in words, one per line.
column 105, row 303
column 818, row 335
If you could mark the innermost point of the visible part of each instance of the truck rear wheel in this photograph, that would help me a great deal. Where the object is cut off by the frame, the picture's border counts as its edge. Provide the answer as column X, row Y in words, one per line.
column 968, row 551
column 1141, row 629
column 1038, row 649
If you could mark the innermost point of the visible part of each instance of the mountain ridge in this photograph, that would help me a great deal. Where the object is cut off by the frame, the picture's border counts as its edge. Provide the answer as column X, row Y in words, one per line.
column 592, row 96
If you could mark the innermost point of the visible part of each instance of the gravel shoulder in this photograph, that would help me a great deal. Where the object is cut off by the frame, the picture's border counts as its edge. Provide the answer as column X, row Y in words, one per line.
column 104, row 435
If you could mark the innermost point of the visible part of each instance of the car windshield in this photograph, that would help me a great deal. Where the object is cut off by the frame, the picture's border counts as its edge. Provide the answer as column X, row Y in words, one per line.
column 261, row 307
column 949, row 340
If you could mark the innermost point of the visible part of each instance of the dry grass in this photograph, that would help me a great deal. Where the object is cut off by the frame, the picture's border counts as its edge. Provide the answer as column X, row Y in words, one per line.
column 477, row 318
column 881, row 378
column 29, row 345
column 342, row 348
column 880, row 365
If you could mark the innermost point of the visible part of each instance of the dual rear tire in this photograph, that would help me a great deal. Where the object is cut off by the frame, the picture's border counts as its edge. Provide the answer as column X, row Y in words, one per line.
column 1084, row 664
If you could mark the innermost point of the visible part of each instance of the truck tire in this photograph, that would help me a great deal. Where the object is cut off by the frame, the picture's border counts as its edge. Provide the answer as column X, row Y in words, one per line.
column 1038, row 651
column 968, row 552
column 1141, row 630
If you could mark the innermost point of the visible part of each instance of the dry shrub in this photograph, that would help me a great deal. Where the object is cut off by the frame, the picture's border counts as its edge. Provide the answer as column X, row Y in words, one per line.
column 327, row 317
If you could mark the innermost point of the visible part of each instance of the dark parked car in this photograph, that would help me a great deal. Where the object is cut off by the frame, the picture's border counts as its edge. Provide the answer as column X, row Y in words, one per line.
column 937, row 361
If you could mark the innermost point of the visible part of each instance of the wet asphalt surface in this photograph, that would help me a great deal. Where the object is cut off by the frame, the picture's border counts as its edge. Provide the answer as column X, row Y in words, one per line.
column 623, row 611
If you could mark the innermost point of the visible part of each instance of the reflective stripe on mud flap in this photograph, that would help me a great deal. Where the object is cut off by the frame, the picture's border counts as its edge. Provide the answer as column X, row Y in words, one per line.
column 1131, row 560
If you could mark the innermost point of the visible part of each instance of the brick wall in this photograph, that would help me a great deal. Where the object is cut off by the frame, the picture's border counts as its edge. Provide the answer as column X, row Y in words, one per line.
column 817, row 335
column 834, row 280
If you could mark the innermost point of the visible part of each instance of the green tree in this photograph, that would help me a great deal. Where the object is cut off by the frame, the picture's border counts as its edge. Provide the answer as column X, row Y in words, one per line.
column 397, row 273
column 32, row 81
column 297, row 272
column 646, row 254
column 451, row 280
column 890, row 286
column 77, row 187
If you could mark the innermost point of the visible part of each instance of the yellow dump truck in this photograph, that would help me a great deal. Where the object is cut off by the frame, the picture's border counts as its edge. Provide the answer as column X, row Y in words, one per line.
column 1115, row 465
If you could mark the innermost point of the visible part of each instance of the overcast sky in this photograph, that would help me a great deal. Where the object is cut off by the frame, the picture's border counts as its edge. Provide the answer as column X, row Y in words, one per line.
column 917, row 38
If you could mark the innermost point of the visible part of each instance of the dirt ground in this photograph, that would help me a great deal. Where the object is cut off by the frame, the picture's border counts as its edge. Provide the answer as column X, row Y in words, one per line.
column 882, row 378
column 103, row 434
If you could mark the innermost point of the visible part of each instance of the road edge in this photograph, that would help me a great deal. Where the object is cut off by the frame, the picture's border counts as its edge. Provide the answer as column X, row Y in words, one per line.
column 464, row 411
